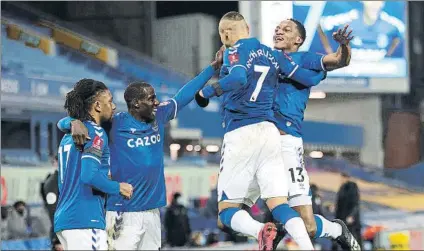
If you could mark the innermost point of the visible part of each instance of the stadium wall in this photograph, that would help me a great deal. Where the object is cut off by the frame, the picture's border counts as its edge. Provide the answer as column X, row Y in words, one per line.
column 185, row 43
column 360, row 110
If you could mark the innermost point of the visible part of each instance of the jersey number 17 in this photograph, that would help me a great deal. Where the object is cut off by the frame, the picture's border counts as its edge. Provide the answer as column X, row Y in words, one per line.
column 264, row 71
column 63, row 156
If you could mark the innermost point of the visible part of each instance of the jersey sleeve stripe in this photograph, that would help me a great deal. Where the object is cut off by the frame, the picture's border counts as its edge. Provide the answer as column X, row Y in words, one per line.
column 238, row 65
column 89, row 156
column 176, row 108
column 294, row 70
column 322, row 64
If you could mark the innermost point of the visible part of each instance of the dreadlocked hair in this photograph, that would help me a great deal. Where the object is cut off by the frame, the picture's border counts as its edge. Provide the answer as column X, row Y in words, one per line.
column 80, row 100
column 136, row 91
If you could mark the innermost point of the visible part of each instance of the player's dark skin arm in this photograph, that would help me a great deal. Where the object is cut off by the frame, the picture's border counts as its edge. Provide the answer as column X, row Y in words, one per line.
column 341, row 57
column 78, row 130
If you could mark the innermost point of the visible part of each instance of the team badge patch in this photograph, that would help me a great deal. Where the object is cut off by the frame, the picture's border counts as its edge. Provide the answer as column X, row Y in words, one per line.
column 96, row 147
column 233, row 58
column 97, row 142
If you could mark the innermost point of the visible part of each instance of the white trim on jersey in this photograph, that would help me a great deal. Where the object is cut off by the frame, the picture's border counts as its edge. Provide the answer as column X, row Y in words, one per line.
column 322, row 64
column 89, row 156
column 176, row 108
column 237, row 65
column 294, row 70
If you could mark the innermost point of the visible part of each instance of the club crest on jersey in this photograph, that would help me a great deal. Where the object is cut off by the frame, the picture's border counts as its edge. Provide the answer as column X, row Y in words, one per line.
column 155, row 126
column 233, row 58
column 97, row 143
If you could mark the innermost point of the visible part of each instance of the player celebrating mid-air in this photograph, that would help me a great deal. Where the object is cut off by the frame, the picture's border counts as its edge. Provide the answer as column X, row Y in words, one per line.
column 290, row 106
column 79, row 220
column 137, row 158
column 251, row 151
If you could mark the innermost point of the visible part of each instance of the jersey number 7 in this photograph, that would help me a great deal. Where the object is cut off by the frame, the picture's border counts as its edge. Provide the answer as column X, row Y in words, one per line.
column 264, row 71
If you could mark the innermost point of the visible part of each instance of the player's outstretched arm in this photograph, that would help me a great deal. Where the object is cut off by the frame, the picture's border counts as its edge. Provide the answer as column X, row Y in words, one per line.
column 234, row 80
column 237, row 56
column 295, row 72
column 186, row 94
column 77, row 129
column 341, row 58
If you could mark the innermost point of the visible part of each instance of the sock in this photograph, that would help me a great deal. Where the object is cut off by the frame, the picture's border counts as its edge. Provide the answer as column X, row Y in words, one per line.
column 294, row 225
column 239, row 220
column 297, row 230
column 326, row 228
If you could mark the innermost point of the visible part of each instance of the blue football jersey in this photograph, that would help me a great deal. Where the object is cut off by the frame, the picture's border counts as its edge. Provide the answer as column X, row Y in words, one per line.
column 81, row 206
column 292, row 97
column 252, row 103
column 137, row 158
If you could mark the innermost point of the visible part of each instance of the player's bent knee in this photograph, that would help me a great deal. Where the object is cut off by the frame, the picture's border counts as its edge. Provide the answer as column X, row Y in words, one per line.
column 275, row 201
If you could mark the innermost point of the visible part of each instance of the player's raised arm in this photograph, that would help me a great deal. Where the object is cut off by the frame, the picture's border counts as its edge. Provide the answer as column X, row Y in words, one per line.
column 237, row 77
column 186, row 94
column 341, row 57
column 295, row 72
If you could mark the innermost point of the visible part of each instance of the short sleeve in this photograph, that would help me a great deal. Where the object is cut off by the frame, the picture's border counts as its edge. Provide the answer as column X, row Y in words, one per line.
column 96, row 146
column 167, row 111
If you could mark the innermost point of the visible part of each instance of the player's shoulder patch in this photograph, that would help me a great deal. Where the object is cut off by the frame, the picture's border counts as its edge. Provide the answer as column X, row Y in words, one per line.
column 233, row 58
column 96, row 147
column 97, row 142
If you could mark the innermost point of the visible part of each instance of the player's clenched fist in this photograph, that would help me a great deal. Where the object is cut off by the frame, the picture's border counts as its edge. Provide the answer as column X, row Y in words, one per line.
column 126, row 190
column 217, row 63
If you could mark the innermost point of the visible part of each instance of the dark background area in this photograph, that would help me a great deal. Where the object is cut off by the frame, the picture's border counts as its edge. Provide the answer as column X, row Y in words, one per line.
column 163, row 8
column 128, row 23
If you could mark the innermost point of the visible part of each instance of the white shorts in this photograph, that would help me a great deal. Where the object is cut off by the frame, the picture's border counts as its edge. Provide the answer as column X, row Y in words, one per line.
column 295, row 166
column 134, row 230
column 252, row 165
column 83, row 239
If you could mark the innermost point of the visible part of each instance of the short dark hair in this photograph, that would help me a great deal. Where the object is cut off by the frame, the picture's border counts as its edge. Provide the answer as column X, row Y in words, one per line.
column 233, row 15
column 300, row 28
column 79, row 101
column 136, row 91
